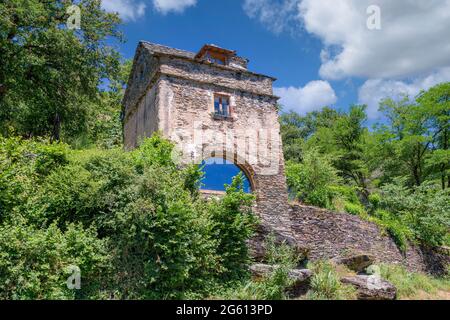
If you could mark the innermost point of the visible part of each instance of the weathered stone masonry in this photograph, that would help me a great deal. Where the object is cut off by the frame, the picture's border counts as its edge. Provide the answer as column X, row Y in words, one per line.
column 327, row 235
column 173, row 91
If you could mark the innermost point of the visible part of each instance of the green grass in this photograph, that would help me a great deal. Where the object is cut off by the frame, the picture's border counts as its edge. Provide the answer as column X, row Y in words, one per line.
column 326, row 284
column 409, row 284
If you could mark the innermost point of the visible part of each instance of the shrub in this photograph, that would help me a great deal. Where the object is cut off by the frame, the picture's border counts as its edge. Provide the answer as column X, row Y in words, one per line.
column 312, row 179
column 165, row 247
column 154, row 151
column 274, row 286
column 399, row 232
column 17, row 174
column 34, row 262
column 354, row 209
column 234, row 223
column 164, row 240
column 280, row 254
column 348, row 193
column 424, row 210
column 50, row 156
column 375, row 200
column 67, row 195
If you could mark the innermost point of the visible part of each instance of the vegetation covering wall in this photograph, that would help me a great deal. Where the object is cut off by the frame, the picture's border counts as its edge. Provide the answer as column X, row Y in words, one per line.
column 132, row 222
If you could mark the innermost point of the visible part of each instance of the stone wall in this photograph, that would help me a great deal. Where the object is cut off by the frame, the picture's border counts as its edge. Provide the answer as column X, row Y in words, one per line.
column 142, row 120
column 143, row 73
column 235, row 79
column 329, row 234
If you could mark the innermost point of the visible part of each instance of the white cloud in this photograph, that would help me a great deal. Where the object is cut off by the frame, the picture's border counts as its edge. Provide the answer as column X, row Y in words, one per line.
column 275, row 15
column 165, row 6
column 129, row 10
column 411, row 52
column 413, row 39
column 313, row 96
column 374, row 90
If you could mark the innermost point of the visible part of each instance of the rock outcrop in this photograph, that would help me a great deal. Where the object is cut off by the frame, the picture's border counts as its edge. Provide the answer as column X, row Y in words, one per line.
column 371, row 287
column 257, row 244
column 356, row 262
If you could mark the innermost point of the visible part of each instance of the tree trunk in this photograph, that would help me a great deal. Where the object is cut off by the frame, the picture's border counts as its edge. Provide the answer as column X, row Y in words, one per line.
column 56, row 128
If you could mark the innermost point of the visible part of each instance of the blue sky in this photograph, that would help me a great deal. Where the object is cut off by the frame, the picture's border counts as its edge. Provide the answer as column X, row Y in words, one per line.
column 218, row 172
column 293, row 58
column 321, row 51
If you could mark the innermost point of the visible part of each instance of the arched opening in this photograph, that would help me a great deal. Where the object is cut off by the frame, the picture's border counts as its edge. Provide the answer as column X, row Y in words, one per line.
column 219, row 171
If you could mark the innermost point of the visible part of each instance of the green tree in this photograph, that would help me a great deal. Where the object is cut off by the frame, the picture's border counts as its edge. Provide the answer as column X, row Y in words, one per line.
column 436, row 103
column 49, row 75
column 416, row 137
column 349, row 137
column 311, row 180
column 104, row 122
column 296, row 129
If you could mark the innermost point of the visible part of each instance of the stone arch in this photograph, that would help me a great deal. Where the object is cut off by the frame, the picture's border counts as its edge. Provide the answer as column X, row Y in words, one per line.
column 237, row 160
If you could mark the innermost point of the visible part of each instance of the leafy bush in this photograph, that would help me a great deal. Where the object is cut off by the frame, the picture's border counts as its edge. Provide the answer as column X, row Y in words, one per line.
column 354, row 209
column 399, row 232
column 424, row 210
column 34, row 262
column 375, row 200
column 165, row 246
column 17, row 173
column 50, row 156
column 274, row 286
column 163, row 240
column 312, row 179
column 233, row 224
column 348, row 193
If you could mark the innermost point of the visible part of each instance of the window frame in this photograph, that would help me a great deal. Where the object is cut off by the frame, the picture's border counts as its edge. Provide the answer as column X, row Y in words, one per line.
column 222, row 115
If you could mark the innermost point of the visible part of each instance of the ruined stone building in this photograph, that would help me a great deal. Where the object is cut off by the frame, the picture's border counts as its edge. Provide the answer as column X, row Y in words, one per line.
column 210, row 105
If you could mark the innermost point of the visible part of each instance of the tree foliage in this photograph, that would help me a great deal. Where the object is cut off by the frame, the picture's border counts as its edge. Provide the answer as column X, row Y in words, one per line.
column 396, row 174
column 50, row 74
column 132, row 221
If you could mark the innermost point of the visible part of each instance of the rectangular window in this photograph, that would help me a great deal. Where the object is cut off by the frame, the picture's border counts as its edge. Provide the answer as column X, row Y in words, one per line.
column 222, row 106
